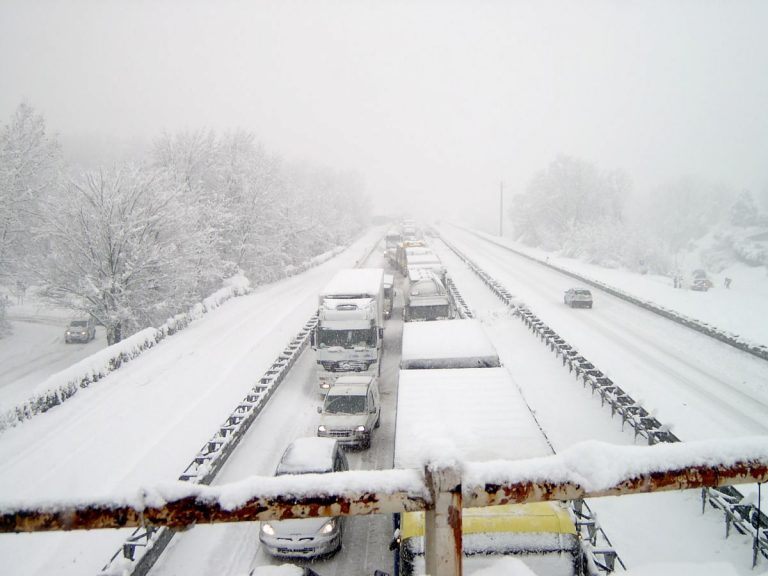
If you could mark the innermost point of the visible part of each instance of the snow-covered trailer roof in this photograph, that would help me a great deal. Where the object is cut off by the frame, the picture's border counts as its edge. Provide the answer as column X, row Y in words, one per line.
column 447, row 344
column 354, row 282
column 474, row 415
column 421, row 259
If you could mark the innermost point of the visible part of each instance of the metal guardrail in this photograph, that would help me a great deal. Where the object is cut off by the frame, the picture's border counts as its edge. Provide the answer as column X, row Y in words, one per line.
column 735, row 340
column 745, row 517
column 145, row 545
column 461, row 305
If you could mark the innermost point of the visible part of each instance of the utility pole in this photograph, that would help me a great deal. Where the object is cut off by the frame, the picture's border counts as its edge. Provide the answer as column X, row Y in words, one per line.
column 501, row 210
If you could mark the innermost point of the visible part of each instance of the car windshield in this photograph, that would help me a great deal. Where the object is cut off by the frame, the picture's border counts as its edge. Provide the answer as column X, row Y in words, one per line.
column 345, row 404
column 583, row 292
column 79, row 323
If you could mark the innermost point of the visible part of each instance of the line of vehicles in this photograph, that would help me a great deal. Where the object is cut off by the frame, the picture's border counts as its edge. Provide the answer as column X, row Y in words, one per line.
column 453, row 394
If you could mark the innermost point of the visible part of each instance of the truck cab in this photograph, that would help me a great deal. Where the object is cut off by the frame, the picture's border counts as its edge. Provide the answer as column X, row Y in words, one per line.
column 350, row 326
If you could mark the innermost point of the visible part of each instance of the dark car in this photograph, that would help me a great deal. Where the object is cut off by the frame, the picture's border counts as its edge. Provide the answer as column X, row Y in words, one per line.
column 80, row 331
column 701, row 284
column 578, row 298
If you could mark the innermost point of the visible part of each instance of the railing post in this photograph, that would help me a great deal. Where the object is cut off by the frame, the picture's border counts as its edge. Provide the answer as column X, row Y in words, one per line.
column 442, row 529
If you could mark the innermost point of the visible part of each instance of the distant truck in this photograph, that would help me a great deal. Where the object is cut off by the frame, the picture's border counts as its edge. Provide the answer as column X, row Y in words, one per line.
column 391, row 241
column 350, row 326
column 447, row 396
column 426, row 298
column 389, row 295
column 409, row 247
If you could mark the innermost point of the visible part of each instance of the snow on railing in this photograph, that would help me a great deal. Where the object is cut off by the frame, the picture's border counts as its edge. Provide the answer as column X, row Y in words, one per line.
column 143, row 547
column 735, row 340
column 442, row 489
column 744, row 516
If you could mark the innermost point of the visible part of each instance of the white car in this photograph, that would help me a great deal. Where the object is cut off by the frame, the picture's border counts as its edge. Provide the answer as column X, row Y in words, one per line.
column 306, row 537
column 351, row 410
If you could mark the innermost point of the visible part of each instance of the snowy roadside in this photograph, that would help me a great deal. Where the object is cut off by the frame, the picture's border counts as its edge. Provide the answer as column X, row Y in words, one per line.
column 63, row 385
column 739, row 311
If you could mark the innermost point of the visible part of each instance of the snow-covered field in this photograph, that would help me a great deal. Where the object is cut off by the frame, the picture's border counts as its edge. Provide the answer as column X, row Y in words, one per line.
column 142, row 424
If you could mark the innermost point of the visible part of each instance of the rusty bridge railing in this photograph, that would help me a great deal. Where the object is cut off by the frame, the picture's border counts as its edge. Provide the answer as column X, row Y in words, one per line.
column 440, row 491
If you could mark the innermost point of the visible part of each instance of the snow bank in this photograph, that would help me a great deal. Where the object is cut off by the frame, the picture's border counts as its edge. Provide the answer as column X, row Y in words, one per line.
column 65, row 384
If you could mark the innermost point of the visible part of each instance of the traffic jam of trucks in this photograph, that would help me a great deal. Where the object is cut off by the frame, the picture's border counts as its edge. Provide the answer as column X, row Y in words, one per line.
column 449, row 369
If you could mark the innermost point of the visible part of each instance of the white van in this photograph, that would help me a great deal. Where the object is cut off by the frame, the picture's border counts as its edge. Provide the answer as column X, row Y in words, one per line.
column 351, row 410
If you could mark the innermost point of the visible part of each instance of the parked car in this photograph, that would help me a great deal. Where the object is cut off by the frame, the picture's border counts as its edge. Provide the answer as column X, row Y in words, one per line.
column 700, row 282
column 578, row 298
column 351, row 410
column 80, row 331
column 306, row 537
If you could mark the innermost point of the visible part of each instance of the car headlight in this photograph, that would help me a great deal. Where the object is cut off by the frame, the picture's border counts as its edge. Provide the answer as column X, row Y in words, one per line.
column 360, row 429
column 321, row 428
column 328, row 527
column 325, row 385
column 267, row 529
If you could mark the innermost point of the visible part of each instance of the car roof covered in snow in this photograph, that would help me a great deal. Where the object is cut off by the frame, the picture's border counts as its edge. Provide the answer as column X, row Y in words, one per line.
column 447, row 344
column 307, row 455
column 351, row 282
column 475, row 415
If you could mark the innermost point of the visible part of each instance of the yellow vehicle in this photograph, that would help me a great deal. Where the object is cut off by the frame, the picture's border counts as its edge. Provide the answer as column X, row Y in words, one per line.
column 543, row 532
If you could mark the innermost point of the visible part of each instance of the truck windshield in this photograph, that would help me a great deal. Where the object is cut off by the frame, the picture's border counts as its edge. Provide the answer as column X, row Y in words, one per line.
column 429, row 312
column 346, row 338
column 345, row 404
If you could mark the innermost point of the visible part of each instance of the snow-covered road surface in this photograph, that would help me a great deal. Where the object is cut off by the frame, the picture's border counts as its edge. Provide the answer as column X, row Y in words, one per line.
column 698, row 385
column 145, row 422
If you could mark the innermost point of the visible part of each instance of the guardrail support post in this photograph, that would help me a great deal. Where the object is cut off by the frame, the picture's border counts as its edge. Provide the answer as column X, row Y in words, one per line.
column 442, row 529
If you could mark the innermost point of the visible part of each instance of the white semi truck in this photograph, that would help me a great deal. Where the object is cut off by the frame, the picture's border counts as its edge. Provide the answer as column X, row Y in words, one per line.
column 350, row 326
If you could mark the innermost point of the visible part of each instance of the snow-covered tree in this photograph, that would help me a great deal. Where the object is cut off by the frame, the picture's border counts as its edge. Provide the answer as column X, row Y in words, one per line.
column 113, row 248
column 568, row 197
column 744, row 211
column 29, row 168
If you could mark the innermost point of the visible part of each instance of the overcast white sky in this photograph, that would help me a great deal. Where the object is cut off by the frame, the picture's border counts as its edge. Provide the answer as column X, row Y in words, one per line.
column 428, row 101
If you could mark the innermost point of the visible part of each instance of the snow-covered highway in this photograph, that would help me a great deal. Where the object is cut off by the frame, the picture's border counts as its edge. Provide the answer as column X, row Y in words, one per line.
column 699, row 386
column 144, row 423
